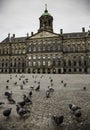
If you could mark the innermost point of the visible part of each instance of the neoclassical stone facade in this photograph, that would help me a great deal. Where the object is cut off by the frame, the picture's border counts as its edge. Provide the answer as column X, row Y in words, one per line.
column 46, row 51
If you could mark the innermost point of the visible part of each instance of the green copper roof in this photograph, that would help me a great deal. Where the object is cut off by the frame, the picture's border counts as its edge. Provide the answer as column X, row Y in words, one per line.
column 46, row 13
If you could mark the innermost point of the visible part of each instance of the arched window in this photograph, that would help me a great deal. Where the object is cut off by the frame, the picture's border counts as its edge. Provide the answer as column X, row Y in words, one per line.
column 78, row 48
column 69, row 63
column 80, row 63
column 73, row 48
column 54, row 63
column 34, row 48
column 68, row 48
column 15, row 64
column 11, row 64
column 75, row 70
column 44, row 48
column 49, row 22
column 85, row 62
column 53, row 47
column 64, row 63
column 59, row 63
column 6, row 64
column 23, row 64
column 59, row 48
column 83, row 47
column 39, row 48
column 74, row 63
column 49, row 48
column 2, row 64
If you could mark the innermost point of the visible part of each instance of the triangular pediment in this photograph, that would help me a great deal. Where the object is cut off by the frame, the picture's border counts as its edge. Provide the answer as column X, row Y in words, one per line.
column 44, row 34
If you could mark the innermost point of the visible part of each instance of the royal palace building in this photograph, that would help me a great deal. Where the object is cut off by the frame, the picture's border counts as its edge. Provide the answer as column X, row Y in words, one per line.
column 46, row 51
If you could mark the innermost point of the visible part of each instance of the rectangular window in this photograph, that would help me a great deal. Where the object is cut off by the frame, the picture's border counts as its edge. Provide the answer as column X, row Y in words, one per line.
column 43, row 57
column 39, row 48
column 43, row 48
column 23, row 51
column 29, row 57
column 59, row 48
column 34, row 57
column 78, row 48
column 34, row 48
column 29, row 63
column 29, row 49
column 39, row 57
column 44, row 63
column 49, row 63
column 19, row 51
column 39, row 63
column 49, row 48
column 34, row 63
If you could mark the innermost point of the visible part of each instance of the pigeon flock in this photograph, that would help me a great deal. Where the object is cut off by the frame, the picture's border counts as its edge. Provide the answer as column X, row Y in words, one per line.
column 23, row 107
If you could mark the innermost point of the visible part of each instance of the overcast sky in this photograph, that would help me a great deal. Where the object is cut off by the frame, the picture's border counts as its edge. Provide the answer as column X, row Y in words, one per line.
column 22, row 16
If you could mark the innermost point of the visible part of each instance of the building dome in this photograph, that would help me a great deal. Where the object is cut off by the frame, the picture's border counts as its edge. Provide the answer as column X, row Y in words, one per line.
column 46, row 21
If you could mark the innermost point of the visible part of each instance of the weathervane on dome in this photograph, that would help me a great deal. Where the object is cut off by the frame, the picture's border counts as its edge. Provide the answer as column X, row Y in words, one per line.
column 46, row 8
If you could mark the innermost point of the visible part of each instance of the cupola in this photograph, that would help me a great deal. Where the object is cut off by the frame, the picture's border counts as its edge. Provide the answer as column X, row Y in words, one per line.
column 46, row 21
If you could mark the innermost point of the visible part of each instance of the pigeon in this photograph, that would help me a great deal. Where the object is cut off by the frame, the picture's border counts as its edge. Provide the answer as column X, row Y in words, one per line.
column 12, row 101
column 58, row 119
column 73, row 107
column 61, row 81
column 7, row 112
column 65, row 84
column 7, row 81
column 1, row 103
column 84, row 88
column 51, row 89
column 22, row 104
column 39, row 82
column 21, row 111
column 51, row 80
column 47, row 93
column 6, row 87
column 32, row 87
column 77, row 114
column 8, row 94
column 24, row 82
column 15, row 83
column 30, row 93
column 21, row 87
column 26, row 99
column 38, row 88
column 26, row 79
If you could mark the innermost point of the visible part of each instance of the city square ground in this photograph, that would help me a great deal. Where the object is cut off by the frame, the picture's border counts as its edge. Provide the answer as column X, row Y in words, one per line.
column 44, row 108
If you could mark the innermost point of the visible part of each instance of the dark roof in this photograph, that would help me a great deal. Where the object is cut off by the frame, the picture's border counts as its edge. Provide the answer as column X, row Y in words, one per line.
column 75, row 35
column 5, row 40
column 65, row 35
column 17, row 39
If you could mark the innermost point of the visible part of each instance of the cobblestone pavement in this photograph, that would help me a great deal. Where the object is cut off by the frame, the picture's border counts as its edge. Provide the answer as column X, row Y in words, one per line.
column 44, row 108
